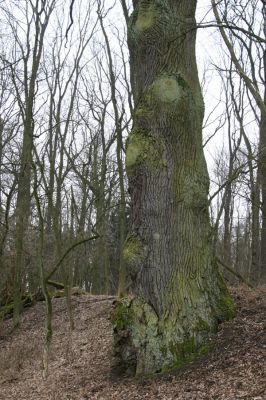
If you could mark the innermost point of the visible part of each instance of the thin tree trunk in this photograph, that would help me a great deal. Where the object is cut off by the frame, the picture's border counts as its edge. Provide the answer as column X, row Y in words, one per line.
column 255, row 232
column 22, row 211
column 262, row 173
column 41, row 18
column 119, row 151
column 260, row 100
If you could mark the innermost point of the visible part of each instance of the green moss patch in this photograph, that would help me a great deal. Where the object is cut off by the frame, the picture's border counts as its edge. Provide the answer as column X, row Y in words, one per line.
column 226, row 306
column 132, row 249
column 183, row 353
column 134, row 149
column 148, row 343
column 122, row 315
column 142, row 148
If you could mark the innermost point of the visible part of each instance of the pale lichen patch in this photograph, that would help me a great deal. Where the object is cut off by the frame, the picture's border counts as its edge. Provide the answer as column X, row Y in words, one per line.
column 145, row 19
column 156, row 236
column 142, row 148
column 133, row 151
column 167, row 89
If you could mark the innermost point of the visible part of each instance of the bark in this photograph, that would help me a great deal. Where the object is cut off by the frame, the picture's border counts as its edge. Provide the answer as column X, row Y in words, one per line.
column 262, row 166
column 255, row 231
column 228, row 195
column 254, row 264
column 179, row 297
column 227, row 226
column 101, row 278
column 262, row 178
column 44, row 282
column 23, row 208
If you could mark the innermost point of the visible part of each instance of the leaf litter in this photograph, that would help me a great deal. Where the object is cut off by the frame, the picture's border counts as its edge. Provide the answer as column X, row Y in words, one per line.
column 80, row 361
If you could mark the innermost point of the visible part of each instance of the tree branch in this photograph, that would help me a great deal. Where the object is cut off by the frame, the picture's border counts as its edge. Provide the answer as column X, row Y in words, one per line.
column 72, row 247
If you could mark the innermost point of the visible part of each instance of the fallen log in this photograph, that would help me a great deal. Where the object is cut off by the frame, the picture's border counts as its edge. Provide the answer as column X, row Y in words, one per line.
column 6, row 311
column 56, row 285
column 233, row 272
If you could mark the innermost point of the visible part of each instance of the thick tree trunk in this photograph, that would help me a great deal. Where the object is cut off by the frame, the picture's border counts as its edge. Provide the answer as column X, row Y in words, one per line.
column 179, row 297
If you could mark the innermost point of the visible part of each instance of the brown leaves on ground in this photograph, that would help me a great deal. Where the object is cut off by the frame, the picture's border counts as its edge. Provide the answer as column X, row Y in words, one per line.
column 79, row 368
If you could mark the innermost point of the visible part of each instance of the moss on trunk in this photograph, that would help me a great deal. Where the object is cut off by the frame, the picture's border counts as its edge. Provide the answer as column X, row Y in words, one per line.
column 146, row 343
column 179, row 297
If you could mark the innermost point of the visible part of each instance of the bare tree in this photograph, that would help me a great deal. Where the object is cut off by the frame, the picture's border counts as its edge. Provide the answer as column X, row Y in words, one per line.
column 242, row 27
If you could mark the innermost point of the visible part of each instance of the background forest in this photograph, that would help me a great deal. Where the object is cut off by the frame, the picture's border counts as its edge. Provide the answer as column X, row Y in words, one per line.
column 65, row 112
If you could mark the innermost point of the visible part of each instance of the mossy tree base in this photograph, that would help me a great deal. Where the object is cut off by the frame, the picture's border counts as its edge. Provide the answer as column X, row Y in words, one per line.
column 145, row 343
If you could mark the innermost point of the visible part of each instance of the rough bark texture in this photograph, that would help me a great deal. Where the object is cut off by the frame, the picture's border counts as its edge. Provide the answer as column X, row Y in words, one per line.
column 262, row 177
column 262, row 168
column 179, row 297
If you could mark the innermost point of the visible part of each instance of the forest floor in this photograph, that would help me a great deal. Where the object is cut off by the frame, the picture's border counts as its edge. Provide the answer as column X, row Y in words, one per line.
column 80, row 362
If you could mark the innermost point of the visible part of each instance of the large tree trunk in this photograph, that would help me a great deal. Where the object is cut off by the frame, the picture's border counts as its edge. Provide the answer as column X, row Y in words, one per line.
column 179, row 297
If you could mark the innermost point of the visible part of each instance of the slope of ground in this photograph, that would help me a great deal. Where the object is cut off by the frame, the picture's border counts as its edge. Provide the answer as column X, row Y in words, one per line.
column 79, row 368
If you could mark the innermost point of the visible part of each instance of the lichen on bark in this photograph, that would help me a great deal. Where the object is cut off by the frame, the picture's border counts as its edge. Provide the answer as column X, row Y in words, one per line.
column 167, row 89
column 143, row 148
column 145, row 18
column 146, row 343
column 179, row 298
